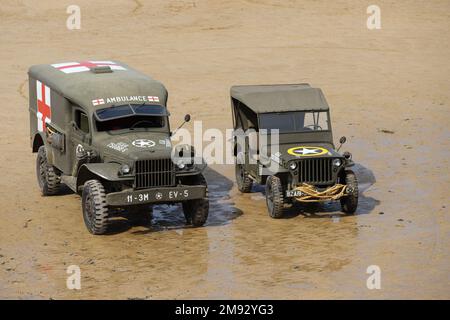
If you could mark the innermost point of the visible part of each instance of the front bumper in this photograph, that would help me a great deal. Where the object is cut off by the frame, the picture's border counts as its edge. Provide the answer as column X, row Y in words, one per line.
column 309, row 193
column 156, row 195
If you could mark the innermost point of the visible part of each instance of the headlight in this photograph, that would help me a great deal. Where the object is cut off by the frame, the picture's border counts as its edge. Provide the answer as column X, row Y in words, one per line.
column 337, row 162
column 293, row 165
column 124, row 169
column 181, row 165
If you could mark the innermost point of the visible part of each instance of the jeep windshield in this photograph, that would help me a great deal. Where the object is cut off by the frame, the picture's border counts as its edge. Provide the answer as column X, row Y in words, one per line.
column 130, row 117
column 298, row 121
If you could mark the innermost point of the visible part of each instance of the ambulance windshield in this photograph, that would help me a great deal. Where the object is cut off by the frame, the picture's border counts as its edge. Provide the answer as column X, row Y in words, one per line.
column 121, row 111
column 130, row 117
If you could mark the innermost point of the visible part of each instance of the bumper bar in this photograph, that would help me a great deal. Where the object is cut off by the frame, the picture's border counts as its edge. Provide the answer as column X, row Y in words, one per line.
column 156, row 195
column 308, row 193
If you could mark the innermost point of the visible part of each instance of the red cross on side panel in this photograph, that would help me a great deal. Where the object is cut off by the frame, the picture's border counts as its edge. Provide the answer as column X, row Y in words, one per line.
column 44, row 111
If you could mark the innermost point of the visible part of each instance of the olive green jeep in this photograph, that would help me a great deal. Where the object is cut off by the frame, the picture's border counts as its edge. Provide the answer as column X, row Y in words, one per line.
column 298, row 161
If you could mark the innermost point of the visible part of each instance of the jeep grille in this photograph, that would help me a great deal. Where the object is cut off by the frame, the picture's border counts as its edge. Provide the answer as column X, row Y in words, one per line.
column 317, row 171
column 154, row 173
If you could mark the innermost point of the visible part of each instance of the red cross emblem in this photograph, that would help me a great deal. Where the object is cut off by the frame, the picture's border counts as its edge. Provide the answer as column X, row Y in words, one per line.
column 153, row 98
column 74, row 67
column 44, row 111
column 97, row 102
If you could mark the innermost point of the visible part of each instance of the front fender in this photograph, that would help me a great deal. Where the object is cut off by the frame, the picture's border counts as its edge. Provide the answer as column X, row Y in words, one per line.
column 100, row 171
column 38, row 140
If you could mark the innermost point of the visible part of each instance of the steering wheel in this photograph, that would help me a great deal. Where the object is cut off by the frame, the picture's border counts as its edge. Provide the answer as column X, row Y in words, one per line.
column 314, row 126
column 140, row 121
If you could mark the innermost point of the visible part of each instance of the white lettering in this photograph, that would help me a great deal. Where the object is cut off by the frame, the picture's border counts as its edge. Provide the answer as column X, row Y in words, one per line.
column 74, row 280
column 374, row 280
column 374, row 20
column 73, row 22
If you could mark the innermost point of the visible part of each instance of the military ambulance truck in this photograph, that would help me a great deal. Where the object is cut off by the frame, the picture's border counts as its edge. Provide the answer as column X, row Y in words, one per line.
column 102, row 128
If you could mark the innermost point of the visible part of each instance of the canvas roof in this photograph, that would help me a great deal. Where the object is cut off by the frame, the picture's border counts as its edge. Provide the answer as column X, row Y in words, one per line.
column 280, row 98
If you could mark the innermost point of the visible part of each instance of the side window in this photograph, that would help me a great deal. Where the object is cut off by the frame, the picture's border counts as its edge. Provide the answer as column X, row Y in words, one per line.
column 82, row 121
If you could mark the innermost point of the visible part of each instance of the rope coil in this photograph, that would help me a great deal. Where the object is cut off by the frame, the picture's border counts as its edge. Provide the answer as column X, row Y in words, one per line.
column 310, row 194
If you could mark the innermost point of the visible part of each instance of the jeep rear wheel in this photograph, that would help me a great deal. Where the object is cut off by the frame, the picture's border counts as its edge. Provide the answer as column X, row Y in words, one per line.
column 349, row 203
column 274, row 197
column 196, row 211
column 243, row 181
column 95, row 209
column 49, row 180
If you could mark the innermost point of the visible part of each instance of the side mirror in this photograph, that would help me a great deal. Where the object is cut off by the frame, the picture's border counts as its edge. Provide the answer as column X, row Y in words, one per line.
column 187, row 118
column 341, row 141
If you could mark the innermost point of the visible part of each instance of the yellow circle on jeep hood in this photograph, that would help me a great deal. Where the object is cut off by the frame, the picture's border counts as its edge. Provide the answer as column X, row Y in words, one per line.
column 307, row 151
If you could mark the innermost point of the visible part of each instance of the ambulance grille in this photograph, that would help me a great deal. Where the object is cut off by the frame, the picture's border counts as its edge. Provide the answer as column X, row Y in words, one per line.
column 154, row 173
column 316, row 171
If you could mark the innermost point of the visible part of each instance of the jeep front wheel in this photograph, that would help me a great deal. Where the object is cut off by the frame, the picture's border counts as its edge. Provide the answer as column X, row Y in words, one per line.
column 49, row 180
column 349, row 202
column 95, row 209
column 243, row 181
column 274, row 197
column 196, row 211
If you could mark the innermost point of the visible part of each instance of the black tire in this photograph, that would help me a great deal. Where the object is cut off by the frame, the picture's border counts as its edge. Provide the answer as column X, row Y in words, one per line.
column 95, row 210
column 196, row 211
column 140, row 215
column 349, row 203
column 274, row 197
column 243, row 181
column 49, row 180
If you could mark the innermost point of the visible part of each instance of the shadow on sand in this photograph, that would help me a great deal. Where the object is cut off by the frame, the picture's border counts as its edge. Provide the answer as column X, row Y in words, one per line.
column 171, row 217
column 222, row 208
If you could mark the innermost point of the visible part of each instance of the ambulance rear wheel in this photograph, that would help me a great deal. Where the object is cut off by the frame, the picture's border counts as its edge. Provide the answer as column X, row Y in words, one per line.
column 49, row 180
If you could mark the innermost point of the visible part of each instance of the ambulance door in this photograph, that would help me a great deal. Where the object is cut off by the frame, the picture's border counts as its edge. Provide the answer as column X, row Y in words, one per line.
column 80, row 138
column 53, row 120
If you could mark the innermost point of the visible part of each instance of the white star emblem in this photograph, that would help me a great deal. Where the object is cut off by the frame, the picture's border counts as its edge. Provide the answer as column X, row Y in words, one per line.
column 143, row 143
column 305, row 151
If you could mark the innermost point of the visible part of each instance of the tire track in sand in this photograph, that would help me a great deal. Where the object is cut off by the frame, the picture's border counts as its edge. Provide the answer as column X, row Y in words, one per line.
column 138, row 4
column 20, row 89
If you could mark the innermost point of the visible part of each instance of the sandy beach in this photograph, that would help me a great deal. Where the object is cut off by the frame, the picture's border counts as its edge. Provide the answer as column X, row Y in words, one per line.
column 389, row 93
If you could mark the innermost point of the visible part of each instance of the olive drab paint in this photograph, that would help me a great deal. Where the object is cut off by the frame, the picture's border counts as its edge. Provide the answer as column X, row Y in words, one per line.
column 304, row 164
column 122, row 165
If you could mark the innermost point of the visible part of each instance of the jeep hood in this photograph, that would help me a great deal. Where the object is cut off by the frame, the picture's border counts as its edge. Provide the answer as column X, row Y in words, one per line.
column 297, row 151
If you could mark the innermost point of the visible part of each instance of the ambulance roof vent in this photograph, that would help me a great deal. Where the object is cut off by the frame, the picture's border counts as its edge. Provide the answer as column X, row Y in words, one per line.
column 101, row 69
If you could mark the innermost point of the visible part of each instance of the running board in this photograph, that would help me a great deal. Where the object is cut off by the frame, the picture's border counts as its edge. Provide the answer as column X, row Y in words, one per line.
column 71, row 182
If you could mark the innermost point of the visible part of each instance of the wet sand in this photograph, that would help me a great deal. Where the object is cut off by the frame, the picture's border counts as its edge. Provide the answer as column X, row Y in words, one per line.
column 393, row 79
